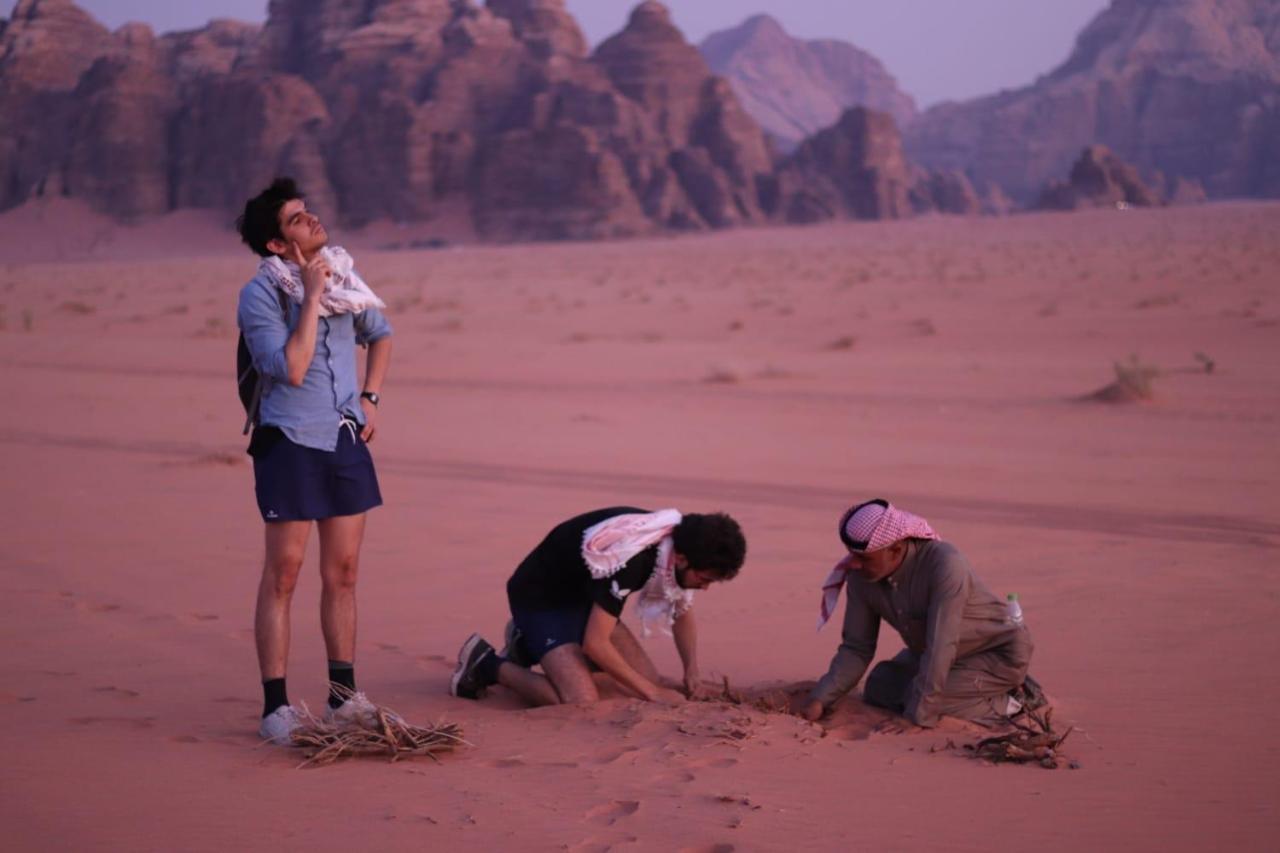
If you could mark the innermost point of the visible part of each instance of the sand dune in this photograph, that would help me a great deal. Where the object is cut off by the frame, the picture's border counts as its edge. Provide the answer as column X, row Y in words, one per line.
column 937, row 362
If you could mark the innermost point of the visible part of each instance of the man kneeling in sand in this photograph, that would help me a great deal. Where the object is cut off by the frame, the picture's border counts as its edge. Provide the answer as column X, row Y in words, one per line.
column 567, row 596
column 965, row 656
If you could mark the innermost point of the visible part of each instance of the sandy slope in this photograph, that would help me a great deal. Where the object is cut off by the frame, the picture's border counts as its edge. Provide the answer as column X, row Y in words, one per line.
column 779, row 375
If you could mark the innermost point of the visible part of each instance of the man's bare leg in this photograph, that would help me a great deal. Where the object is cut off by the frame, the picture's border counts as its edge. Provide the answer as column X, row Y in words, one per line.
column 286, row 546
column 340, row 540
column 527, row 684
column 567, row 670
column 634, row 654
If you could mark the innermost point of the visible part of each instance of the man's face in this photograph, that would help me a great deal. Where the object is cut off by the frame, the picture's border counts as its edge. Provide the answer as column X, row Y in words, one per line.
column 298, row 226
column 877, row 565
column 691, row 578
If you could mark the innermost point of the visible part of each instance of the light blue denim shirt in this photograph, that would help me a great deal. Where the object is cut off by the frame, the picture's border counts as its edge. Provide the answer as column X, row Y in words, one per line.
column 310, row 413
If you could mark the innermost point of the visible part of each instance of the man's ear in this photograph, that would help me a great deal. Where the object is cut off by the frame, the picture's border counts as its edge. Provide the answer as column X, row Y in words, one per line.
column 680, row 561
column 277, row 246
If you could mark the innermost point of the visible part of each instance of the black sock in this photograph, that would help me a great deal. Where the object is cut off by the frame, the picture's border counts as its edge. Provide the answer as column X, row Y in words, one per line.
column 273, row 695
column 342, row 682
column 487, row 668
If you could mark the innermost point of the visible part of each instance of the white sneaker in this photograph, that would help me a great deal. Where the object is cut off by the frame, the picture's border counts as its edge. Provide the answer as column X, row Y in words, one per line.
column 278, row 726
column 357, row 710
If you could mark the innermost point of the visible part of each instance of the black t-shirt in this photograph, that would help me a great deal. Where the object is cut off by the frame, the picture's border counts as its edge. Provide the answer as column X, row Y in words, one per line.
column 555, row 577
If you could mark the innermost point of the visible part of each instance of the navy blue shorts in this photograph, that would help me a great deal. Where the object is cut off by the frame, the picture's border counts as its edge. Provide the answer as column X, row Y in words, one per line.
column 544, row 630
column 296, row 483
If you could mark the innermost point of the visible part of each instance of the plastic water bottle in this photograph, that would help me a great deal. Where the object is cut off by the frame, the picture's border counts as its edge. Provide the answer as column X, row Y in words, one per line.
column 1015, row 609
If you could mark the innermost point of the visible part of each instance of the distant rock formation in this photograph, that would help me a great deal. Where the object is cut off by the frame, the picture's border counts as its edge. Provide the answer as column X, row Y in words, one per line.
column 1098, row 179
column 1189, row 88
column 854, row 169
column 384, row 109
column 794, row 87
column 406, row 110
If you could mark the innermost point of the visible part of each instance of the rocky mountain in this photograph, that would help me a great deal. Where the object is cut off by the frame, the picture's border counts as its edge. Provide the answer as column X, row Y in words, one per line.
column 382, row 109
column 1098, row 179
column 794, row 87
column 856, row 169
column 1189, row 89
column 412, row 110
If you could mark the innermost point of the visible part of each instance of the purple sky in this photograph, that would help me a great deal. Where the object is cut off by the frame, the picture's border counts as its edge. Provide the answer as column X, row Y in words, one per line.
column 938, row 49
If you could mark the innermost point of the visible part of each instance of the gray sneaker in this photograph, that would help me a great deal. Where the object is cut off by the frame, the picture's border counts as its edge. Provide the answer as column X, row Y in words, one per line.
column 467, row 682
column 278, row 726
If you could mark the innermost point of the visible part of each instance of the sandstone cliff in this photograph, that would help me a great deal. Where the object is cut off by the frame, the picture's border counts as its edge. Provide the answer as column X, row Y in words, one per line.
column 1189, row 88
column 384, row 109
column 1098, row 179
column 795, row 87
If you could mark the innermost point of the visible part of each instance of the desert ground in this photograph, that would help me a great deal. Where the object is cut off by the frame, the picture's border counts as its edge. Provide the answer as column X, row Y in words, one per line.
column 780, row 375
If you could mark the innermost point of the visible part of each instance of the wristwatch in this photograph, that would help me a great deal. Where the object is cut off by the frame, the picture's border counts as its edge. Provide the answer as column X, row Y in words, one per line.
column 371, row 397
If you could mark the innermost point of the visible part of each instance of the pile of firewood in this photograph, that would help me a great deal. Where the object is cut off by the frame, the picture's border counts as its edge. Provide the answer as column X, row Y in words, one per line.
column 383, row 732
column 1032, row 741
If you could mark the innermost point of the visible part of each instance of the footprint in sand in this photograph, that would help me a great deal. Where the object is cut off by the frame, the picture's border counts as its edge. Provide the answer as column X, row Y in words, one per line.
column 599, row 845
column 129, row 722
column 666, row 781
column 506, row 763
column 185, row 739
column 120, row 692
column 716, row 763
column 97, row 608
column 709, row 848
column 388, row 647
column 13, row 699
column 616, row 755
column 610, row 813
column 203, row 617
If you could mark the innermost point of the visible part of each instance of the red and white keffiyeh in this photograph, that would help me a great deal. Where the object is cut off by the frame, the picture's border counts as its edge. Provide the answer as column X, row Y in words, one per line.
column 608, row 545
column 346, row 292
column 878, row 525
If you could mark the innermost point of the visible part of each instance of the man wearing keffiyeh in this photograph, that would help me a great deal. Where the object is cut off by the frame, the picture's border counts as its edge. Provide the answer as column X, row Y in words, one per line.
column 964, row 656
column 567, row 596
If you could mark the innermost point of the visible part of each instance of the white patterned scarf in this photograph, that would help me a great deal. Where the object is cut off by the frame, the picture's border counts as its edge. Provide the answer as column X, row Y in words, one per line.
column 345, row 293
column 608, row 545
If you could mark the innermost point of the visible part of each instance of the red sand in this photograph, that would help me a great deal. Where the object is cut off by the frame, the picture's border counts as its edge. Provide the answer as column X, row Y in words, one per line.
column 936, row 362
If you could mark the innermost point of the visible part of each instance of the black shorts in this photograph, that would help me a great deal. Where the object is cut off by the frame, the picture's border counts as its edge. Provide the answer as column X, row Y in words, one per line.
column 544, row 630
column 296, row 483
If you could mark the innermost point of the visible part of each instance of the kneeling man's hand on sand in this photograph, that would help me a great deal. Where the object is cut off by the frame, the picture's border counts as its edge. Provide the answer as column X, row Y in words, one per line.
column 693, row 686
column 667, row 696
column 810, row 709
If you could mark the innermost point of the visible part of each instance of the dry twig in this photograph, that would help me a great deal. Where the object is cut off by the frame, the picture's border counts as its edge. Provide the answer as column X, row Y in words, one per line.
column 382, row 733
column 1033, row 740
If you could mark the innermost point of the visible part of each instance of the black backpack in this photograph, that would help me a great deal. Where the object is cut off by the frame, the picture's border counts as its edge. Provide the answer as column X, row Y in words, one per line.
column 249, row 380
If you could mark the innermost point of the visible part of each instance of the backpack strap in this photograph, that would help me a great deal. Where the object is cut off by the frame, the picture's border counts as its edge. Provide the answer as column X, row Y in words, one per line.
column 255, row 403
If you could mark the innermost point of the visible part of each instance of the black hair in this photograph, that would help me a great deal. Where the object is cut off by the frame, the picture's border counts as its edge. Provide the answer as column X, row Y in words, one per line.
column 260, row 222
column 712, row 543
column 849, row 542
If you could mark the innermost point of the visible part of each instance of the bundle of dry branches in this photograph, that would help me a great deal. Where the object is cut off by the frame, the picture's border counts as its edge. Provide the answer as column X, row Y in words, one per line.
column 383, row 732
column 1033, row 740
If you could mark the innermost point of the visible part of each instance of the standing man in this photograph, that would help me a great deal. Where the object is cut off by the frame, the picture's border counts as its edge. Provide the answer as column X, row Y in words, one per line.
column 567, row 597
column 965, row 656
column 303, row 316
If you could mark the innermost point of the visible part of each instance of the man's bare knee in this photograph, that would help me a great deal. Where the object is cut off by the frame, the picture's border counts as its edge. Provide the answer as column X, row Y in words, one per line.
column 280, row 572
column 340, row 574
column 567, row 670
